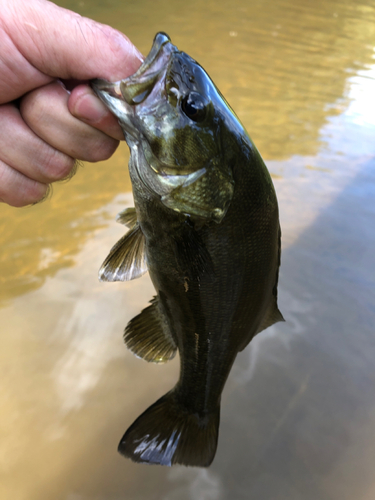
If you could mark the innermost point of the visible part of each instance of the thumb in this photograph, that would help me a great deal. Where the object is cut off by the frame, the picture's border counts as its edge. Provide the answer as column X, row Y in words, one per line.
column 62, row 44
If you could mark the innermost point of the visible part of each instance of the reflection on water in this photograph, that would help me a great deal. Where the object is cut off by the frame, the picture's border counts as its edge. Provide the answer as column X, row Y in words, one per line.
column 204, row 484
column 298, row 411
column 38, row 241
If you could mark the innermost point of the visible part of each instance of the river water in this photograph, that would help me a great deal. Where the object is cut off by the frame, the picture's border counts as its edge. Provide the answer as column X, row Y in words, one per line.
column 298, row 411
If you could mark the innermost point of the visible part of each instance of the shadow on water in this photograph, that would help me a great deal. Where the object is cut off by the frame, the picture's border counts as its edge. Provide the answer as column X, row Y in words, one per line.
column 299, row 409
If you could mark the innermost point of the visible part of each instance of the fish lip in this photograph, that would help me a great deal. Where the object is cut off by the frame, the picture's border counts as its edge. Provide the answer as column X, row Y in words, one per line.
column 161, row 50
column 153, row 67
column 159, row 45
column 101, row 86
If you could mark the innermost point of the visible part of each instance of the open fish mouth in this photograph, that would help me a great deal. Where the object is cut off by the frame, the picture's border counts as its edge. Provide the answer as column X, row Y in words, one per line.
column 122, row 95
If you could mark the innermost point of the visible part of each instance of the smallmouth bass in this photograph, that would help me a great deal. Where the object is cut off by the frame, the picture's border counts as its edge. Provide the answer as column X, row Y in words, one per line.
column 206, row 227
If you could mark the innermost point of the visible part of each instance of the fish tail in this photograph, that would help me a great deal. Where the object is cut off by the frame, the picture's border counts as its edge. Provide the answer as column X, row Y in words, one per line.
column 167, row 434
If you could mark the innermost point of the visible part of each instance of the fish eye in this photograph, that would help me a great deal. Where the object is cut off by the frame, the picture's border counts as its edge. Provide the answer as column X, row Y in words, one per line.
column 194, row 107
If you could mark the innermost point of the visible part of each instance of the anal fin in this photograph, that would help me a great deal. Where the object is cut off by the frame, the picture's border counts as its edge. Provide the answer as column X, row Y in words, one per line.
column 147, row 336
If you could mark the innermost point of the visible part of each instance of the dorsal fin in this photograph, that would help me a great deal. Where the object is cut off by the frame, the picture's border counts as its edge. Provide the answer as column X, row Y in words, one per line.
column 272, row 316
column 127, row 259
column 147, row 335
column 128, row 217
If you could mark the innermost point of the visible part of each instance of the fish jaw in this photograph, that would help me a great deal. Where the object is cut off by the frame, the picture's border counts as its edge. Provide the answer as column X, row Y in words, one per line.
column 122, row 96
column 110, row 94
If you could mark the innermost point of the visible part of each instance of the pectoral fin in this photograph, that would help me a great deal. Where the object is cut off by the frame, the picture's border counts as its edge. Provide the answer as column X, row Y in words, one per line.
column 128, row 217
column 127, row 259
column 148, row 337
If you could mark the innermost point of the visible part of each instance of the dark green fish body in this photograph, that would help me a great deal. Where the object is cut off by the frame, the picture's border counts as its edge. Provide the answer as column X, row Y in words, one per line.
column 206, row 227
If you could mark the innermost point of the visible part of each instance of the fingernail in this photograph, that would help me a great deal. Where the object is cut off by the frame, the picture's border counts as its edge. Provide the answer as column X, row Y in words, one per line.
column 62, row 84
column 90, row 108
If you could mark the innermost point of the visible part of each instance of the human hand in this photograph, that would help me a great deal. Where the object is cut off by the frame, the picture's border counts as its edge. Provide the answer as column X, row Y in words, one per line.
column 43, row 126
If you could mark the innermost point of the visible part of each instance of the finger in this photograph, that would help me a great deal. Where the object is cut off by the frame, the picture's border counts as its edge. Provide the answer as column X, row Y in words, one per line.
column 23, row 150
column 45, row 111
column 63, row 44
column 18, row 190
column 84, row 105
column 17, row 74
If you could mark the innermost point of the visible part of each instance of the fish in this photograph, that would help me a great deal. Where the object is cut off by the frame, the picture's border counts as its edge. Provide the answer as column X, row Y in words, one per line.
column 206, row 227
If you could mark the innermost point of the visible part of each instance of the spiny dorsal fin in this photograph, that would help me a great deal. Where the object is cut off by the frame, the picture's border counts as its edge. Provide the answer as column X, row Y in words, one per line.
column 128, row 217
column 127, row 259
column 272, row 316
column 147, row 336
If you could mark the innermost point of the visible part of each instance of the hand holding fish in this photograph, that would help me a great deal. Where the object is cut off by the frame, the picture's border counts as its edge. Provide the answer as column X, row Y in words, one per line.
column 44, row 127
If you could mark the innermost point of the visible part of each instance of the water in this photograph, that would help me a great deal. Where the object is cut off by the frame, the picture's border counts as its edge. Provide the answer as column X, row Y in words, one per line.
column 298, row 410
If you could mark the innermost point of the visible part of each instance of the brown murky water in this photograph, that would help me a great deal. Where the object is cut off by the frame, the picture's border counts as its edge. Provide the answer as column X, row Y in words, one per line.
column 298, row 413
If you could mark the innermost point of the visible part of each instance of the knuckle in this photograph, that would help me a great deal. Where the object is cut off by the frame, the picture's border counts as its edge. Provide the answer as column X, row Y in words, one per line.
column 33, row 192
column 100, row 149
column 17, row 190
column 57, row 166
column 32, row 105
column 25, row 200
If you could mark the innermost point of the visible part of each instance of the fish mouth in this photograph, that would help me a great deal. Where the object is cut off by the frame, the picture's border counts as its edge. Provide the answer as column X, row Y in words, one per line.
column 122, row 98
column 123, row 95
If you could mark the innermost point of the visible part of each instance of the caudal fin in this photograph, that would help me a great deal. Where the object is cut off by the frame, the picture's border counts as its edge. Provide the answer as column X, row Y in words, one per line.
column 167, row 434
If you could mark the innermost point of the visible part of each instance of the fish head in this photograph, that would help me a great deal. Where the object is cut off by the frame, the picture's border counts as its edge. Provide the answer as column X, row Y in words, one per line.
column 179, row 128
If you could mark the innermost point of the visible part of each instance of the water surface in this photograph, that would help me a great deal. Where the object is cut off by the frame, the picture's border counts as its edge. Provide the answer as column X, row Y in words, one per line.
column 298, row 412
